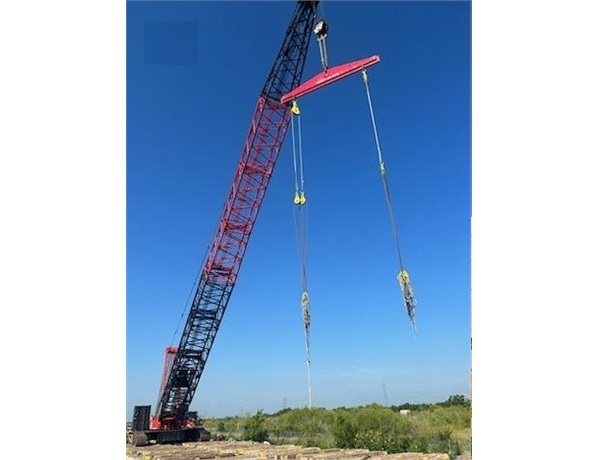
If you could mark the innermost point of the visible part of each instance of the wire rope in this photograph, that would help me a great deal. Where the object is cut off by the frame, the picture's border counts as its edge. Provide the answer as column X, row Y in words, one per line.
column 301, row 227
column 402, row 277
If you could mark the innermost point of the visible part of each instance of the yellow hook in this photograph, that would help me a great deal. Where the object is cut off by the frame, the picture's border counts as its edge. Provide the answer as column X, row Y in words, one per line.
column 295, row 108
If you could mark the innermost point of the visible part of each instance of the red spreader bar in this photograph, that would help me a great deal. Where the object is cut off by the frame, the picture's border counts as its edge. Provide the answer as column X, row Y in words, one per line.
column 329, row 76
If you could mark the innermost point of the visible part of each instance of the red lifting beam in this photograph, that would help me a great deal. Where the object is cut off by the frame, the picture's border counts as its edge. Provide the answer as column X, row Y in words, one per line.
column 329, row 76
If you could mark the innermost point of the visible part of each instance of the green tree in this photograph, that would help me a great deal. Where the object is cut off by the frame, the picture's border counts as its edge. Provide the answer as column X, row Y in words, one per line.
column 456, row 400
column 343, row 430
column 255, row 428
column 373, row 427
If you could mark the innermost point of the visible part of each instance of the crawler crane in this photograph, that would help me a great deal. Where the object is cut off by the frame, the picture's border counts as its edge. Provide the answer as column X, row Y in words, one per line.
column 184, row 364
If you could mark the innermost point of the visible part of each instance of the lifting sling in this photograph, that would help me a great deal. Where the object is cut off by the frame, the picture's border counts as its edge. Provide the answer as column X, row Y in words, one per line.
column 301, row 223
column 403, row 278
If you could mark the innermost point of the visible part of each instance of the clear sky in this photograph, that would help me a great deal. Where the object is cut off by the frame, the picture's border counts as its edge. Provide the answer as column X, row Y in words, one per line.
column 534, row 226
column 191, row 90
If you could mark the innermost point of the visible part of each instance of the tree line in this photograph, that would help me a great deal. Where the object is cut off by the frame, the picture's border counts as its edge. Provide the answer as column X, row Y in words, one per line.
column 438, row 427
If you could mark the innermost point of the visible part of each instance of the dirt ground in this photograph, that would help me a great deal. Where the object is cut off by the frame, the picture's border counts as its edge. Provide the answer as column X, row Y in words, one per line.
column 248, row 450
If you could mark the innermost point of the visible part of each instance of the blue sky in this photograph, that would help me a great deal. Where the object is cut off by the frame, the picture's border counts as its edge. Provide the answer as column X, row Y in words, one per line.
column 64, row 147
column 190, row 96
